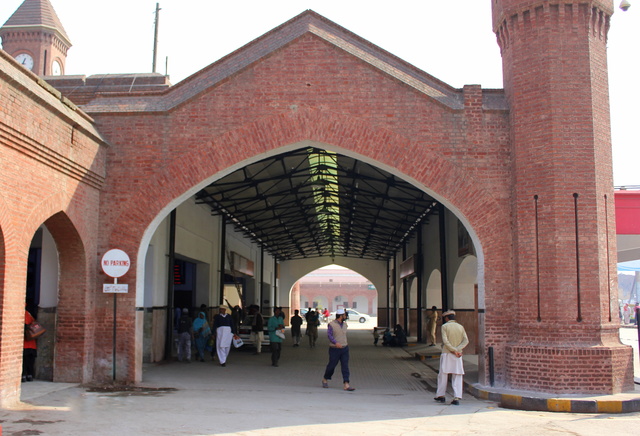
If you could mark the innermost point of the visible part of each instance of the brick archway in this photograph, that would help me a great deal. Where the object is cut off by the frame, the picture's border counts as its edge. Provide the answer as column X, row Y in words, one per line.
column 74, row 330
column 70, row 230
column 207, row 161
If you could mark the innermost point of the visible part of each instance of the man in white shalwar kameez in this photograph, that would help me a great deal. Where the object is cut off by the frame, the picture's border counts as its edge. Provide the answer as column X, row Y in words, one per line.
column 454, row 339
column 224, row 327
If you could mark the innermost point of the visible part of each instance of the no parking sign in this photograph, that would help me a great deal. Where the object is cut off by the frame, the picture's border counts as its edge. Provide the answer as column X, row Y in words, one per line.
column 115, row 263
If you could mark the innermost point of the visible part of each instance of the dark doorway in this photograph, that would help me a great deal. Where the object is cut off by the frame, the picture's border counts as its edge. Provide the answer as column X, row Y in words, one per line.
column 184, row 281
column 34, row 267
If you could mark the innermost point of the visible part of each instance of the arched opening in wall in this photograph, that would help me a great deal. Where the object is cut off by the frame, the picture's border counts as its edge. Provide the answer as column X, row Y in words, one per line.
column 434, row 290
column 42, row 303
column 56, row 295
column 333, row 287
column 252, row 232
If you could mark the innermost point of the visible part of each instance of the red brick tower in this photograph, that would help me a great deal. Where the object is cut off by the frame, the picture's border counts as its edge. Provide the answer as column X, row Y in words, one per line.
column 555, row 77
column 35, row 37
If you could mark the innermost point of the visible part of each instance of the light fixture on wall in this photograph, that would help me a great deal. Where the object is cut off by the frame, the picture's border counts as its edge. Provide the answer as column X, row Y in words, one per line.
column 624, row 5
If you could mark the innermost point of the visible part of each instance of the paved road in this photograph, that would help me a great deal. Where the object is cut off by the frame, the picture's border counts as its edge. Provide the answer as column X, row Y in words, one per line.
column 629, row 336
column 250, row 397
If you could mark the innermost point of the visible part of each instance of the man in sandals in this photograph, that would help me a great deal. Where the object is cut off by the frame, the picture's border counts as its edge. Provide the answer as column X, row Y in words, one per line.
column 338, row 350
column 454, row 339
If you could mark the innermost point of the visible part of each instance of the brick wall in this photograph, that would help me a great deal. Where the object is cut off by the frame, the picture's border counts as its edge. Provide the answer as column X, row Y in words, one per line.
column 52, row 171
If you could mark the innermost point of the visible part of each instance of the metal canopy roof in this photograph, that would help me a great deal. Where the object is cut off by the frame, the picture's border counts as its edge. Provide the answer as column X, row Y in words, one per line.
column 313, row 203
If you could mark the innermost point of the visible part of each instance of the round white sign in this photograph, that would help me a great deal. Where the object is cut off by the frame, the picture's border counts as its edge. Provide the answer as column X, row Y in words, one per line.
column 115, row 263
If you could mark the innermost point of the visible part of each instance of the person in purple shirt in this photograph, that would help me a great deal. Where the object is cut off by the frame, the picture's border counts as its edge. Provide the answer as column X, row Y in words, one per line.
column 338, row 350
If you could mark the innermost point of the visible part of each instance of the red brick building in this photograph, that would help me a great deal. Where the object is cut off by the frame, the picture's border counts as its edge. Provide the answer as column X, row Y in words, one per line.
column 334, row 288
column 517, row 231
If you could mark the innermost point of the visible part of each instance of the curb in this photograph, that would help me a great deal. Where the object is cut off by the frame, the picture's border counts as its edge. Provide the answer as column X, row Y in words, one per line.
column 512, row 401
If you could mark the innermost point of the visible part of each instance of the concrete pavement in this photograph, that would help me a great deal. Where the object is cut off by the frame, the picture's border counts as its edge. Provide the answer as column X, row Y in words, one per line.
column 250, row 397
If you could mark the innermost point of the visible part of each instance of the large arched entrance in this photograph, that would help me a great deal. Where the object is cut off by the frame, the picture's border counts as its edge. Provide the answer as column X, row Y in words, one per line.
column 239, row 243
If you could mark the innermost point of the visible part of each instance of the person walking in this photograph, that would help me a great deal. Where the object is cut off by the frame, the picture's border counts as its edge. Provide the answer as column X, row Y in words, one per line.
column 201, row 332
column 338, row 351
column 376, row 336
column 257, row 328
column 224, row 329
column 454, row 339
column 296, row 329
column 432, row 323
column 312, row 327
column 275, row 325
column 185, row 334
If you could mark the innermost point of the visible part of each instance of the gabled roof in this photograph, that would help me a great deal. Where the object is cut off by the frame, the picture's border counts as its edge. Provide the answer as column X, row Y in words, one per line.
column 308, row 22
column 37, row 13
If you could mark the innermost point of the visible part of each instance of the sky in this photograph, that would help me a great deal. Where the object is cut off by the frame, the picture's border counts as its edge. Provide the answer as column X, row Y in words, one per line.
column 451, row 40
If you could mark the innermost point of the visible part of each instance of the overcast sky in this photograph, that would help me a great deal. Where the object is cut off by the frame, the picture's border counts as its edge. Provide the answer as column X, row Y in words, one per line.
column 451, row 40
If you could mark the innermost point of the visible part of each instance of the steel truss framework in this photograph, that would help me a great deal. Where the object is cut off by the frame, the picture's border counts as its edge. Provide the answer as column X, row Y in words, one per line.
column 312, row 203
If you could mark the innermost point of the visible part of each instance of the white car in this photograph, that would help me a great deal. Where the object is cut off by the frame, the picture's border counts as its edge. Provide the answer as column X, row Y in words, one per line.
column 245, row 331
column 353, row 314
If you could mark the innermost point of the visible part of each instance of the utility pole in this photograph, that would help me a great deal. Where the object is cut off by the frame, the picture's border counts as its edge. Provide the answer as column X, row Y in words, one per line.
column 155, row 38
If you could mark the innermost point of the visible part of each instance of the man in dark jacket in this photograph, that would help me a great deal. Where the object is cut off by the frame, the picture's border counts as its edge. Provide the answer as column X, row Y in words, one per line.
column 257, row 328
column 185, row 333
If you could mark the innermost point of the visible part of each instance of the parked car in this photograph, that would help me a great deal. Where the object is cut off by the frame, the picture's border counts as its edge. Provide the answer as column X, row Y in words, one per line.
column 305, row 310
column 353, row 314
column 244, row 331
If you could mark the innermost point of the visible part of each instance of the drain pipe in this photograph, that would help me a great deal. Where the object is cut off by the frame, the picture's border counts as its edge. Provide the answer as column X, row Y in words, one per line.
column 168, row 342
column 492, row 377
column 638, row 326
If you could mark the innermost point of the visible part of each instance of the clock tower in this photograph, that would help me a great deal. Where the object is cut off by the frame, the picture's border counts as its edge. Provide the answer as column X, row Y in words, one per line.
column 34, row 36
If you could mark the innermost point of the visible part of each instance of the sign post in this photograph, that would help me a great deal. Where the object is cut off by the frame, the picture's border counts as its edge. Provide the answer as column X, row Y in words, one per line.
column 115, row 263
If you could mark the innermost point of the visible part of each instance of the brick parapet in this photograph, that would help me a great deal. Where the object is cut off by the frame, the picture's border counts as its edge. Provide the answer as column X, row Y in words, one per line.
column 512, row 16
column 81, row 89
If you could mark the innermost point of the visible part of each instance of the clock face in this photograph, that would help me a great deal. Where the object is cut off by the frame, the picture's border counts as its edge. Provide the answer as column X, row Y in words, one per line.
column 26, row 60
column 56, row 68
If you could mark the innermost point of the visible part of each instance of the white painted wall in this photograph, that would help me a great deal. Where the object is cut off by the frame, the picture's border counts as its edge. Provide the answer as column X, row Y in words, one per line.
column 156, row 264
column 434, row 290
column 464, row 283
column 197, row 233
column 48, row 271
column 198, row 240
column 462, row 272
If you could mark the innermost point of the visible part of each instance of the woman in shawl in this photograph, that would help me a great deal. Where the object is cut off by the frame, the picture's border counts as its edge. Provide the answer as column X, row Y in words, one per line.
column 201, row 331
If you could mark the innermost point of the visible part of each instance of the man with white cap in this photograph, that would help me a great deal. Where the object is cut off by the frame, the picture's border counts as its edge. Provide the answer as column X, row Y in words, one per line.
column 338, row 350
column 224, row 327
column 454, row 339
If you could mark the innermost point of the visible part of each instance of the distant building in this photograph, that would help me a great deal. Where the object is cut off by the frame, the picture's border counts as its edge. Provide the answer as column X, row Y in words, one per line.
column 333, row 288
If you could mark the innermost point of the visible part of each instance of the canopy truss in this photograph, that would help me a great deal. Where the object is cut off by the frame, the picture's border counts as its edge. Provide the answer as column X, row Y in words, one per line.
column 314, row 203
